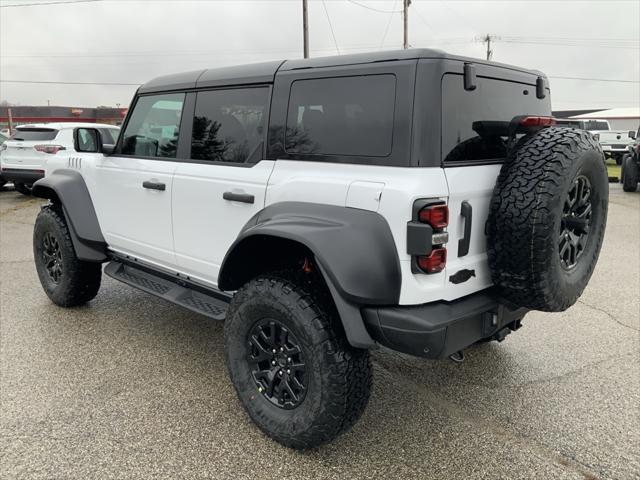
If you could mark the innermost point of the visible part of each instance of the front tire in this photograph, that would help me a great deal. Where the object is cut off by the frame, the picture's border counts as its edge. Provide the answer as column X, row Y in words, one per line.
column 66, row 280
column 293, row 370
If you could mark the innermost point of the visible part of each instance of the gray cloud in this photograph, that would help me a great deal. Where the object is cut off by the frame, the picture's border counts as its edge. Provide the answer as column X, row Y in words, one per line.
column 132, row 41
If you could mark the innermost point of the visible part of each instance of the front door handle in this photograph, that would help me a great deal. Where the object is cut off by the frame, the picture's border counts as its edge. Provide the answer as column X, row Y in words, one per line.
column 154, row 185
column 239, row 197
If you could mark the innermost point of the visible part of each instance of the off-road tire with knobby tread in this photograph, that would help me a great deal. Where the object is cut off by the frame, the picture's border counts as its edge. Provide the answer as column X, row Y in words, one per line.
column 630, row 174
column 340, row 376
column 526, row 213
column 80, row 280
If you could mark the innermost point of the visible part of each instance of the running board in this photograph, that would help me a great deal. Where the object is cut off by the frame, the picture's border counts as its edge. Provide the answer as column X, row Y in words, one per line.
column 195, row 299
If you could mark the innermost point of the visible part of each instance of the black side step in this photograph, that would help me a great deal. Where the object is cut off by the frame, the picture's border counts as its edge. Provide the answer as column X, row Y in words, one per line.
column 199, row 301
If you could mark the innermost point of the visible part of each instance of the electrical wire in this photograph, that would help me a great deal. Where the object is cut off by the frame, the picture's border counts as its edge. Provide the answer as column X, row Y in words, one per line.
column 73, row 83
column 374, row 9
column 386, row 30
column 48, row 3
column 324, row 5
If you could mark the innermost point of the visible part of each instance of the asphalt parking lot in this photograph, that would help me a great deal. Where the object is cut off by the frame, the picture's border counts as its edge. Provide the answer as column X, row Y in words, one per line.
column 133, row 387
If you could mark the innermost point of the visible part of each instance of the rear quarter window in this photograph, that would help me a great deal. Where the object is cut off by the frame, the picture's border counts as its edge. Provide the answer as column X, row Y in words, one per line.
column 35, row 134
column 350, row 116
column 464, row 111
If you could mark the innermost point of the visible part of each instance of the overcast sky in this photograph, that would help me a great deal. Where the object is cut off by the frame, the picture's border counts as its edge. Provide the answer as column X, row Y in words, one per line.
column 132, row 41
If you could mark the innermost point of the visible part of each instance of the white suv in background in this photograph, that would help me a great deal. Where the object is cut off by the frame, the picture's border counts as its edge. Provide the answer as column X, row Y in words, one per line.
column 24, row 155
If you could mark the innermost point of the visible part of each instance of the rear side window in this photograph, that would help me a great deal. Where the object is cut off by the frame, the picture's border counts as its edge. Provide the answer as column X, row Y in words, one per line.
column 470, row 117
column 152, row 129
column 35, row 134
column 341, row 116
column 229, row 125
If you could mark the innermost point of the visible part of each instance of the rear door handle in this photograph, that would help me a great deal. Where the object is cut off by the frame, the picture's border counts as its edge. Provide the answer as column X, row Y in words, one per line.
column 154, row 185
column 463, row 244
column 239, row 197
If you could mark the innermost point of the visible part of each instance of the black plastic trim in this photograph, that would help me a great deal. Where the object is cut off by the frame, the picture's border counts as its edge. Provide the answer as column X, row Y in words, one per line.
column 20, row 175
column 69, row 188
column 466, row 212
column 439, row 329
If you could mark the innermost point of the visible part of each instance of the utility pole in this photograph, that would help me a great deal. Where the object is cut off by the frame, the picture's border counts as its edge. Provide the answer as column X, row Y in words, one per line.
column 405, row 15
column 305, row 27
column 487, row 39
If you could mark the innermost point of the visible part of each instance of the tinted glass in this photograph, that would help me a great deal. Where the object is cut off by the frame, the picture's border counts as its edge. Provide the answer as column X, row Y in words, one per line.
column 341, row 116
column 474, row 122
column 87, row 141
column 34, row 134
column 152, row 130
column 109, row 135
column 596, row 125
column 229, row 125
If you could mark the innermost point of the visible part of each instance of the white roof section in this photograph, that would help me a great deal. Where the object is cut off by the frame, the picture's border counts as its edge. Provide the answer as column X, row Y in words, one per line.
column 66, row 125
column 624, row 112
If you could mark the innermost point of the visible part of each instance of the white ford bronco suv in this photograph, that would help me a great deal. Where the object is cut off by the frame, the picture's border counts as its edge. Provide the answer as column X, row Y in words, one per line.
column 323, row 207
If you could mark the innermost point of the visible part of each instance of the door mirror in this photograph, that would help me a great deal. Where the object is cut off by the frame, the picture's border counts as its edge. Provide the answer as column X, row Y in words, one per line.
column 89, row 140
column 632, row 134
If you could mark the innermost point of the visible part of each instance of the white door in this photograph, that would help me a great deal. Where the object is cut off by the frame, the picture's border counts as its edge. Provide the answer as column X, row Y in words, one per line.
column 132, row 189
column 224, row 183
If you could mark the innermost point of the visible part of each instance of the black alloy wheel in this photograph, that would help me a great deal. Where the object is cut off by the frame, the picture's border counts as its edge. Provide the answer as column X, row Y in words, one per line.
column 575, row 223
column 277, row 363
column 52, row 257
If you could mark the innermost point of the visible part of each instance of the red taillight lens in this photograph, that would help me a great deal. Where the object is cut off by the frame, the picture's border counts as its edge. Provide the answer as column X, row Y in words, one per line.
column 51, row 149
column 435, row 215
column 434, row 262
column 537, row 121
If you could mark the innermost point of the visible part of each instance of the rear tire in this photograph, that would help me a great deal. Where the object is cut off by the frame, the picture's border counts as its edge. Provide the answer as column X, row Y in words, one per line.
column 630, row 174
column 336, row 377
column 66, row 280
column 23, row 188
column 618, row 159
column 547, row 219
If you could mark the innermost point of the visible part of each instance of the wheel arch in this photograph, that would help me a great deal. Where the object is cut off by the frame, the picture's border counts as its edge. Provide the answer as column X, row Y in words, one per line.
column 353, row 249
column 67, row 188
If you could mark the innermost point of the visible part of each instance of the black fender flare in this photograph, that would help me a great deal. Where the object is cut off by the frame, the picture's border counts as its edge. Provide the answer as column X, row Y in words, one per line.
column 69, row 189
column 353, row 248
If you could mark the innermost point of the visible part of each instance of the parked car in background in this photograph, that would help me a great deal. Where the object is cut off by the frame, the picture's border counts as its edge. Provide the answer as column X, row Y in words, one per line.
column 3, row 138
column 615, row 144
column 591, row 125
column 24, row 155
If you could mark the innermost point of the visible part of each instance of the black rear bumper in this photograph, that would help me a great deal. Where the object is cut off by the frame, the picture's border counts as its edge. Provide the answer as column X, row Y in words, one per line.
column 439, row 329
column 21, row 175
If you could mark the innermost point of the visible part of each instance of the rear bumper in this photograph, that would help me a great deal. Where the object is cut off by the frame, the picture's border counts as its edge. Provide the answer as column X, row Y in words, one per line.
column 439, row 329
column 21, row 175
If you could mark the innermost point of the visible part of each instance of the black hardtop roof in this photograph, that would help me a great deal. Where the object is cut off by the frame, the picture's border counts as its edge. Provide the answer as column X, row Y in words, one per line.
column 256, row 73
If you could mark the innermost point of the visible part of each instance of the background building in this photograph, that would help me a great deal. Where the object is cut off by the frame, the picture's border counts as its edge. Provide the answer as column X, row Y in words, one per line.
column 34, row 114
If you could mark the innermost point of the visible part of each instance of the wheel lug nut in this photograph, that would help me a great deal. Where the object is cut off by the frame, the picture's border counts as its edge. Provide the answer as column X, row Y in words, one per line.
column 273, row 362
column 280, row 372
column 274, row 350
column 288, row 371
column 282, row 349
column 289, row 360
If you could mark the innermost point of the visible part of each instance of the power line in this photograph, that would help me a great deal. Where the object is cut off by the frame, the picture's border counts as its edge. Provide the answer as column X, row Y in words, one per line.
column 594, row 79
column 331, row 26
column 386, row 30
column 374, row 9
column 73, row 83
column 59, row 2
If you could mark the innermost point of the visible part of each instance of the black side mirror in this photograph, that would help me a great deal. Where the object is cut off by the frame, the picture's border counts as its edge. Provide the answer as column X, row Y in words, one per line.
column 632, row 134
column 87, row 140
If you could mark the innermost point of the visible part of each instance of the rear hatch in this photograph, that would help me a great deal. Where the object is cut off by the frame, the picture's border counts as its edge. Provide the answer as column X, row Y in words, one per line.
column 472, row 154
column 20, row 150
column 615, row 140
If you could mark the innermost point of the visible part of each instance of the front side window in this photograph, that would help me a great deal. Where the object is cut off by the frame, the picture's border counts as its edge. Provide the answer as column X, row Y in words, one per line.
column 229, row 125
column 342, row 116
column 153, row 128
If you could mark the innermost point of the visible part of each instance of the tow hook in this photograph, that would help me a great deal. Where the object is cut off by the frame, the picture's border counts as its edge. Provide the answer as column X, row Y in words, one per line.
column 457, row 357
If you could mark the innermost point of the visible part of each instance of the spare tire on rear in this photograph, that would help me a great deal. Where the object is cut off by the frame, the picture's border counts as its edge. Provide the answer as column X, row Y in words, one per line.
column 547, row 219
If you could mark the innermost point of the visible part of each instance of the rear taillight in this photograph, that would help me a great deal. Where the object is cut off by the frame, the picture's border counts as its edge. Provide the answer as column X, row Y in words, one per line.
column 427, row 235
column 435, row 262
column 51, row 149
column 528, row 122
column 435, row 215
